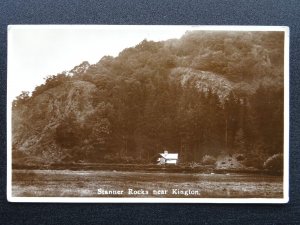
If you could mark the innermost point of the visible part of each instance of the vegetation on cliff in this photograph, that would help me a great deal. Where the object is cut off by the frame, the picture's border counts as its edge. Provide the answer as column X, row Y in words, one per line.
column 207, row 93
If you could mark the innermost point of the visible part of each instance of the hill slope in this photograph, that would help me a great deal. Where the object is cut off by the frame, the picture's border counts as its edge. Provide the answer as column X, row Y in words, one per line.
column 206, row 93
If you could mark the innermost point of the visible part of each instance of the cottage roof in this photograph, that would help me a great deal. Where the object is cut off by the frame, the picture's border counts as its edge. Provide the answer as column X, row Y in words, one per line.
column 169, row 155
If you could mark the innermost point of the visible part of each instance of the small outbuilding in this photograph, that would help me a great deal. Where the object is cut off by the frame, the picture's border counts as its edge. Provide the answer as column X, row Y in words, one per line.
column 167, row 158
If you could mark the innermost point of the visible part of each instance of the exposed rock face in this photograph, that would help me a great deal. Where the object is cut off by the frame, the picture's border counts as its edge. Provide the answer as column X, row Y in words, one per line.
column 205, row 80
column 46, row 111
column 228, row 162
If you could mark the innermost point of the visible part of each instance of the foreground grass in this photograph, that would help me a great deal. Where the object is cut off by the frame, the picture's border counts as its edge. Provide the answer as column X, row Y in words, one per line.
column 69, row 183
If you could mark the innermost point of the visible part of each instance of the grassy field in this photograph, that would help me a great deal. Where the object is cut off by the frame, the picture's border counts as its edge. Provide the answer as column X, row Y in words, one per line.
column 68, row 183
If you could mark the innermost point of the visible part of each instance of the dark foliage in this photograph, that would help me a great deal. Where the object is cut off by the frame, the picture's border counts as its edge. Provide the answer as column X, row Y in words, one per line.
column 140, row 107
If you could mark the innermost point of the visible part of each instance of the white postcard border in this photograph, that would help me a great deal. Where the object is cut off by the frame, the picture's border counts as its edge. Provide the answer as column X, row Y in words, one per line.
column 285, row 198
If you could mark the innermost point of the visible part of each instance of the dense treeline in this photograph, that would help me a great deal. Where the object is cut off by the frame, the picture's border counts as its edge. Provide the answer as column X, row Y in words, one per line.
column 140, row 106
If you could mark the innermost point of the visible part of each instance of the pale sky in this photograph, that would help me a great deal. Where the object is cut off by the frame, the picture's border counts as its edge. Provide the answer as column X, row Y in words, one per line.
column 36, row 51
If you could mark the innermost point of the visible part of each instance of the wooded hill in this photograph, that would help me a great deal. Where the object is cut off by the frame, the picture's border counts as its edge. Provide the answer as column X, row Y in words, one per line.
column 207, row 93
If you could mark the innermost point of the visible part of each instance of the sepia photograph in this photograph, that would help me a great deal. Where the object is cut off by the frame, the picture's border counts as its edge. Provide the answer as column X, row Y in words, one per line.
column 166, row 114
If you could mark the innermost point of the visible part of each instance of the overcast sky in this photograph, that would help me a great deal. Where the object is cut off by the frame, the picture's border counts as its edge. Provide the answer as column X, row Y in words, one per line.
column 35, row 52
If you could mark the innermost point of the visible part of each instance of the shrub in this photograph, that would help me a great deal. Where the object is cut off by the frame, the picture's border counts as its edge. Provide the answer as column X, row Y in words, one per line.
column 274, row 163
column 255, row 162
column 109, row 158
column 208, row 160
column 240, row 157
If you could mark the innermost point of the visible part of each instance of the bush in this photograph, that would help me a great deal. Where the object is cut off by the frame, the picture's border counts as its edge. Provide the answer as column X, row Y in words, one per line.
column 253, row 162
column 109, row 158
column 240, row 157
column 208, row 160
column 274, row 163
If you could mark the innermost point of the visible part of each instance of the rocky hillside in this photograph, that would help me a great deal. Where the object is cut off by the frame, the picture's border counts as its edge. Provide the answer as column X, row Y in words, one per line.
column 206, row 93
column 35, row 124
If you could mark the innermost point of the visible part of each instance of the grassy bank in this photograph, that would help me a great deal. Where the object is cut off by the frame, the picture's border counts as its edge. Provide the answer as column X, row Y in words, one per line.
column 145, row 167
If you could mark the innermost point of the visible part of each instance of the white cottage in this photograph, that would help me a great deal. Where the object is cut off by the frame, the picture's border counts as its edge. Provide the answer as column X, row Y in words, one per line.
column 167, row 158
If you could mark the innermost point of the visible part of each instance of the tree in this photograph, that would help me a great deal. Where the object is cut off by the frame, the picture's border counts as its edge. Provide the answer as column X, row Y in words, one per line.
column 97, row 130
column 267, row 110
column 67, row 133
column 231, row 112
column 22, row 99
